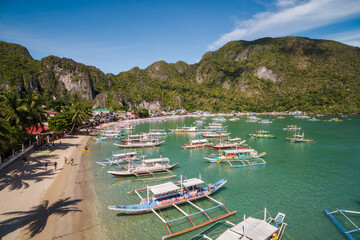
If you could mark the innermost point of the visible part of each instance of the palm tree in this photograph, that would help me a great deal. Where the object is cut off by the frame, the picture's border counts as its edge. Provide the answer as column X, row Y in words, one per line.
column 34, row 110
column 13, row 110
column 4, row 135
column 79, row 113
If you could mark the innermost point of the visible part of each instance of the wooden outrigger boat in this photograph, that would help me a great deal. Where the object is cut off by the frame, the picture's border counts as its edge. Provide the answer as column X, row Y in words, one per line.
column 349, row 222
column 172, row 194
column 146, row 167
column 215, row 127
column 300, row 138
column 250, row 228
column 148, row 143
column 120, row 158
column 196, row 143
column 245, row 157
column 219, row 119
column 262, row 134
column 185, row 130
column 217, row 134
column 292, row 127
column 157, row 133
column 230, row 143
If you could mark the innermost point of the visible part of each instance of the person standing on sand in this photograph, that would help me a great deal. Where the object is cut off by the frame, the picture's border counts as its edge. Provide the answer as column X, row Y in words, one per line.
column 55, row 165
column 71, row 161
column 65, row 160
column 45, row 165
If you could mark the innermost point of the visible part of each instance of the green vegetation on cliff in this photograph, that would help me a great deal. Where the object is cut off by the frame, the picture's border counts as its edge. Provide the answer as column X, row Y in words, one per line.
column 269, row 74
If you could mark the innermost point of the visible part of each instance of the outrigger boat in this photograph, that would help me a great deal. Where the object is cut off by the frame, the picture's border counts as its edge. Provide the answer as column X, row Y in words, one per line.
column 172, row 194
column 292, row 127
column 146, row 167
column 245, row 157
column 234, row 119
column 196, row 143
column 262, row 134
column 120, row 158
column 217, row 134
column 142, row 144
column 185, row 130
column 230, row 143
column 215, row 127
column 349, row 222
column 300, row 138
column 157, row 133
column 219, row 119
column 250, row 228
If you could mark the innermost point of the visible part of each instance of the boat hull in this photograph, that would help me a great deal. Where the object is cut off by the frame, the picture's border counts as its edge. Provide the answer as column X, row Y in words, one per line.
column 128, row 173
column 148, row 207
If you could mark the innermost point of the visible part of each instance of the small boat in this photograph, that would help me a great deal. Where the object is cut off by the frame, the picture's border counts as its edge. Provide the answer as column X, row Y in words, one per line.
column 300, row 138
column 219, row 119
column 152, row 143
column 217, row 134
column 234, row 119
column 313, row 119
column 265, row 121
column 230, row 143
column 196, row 143
column 185, row 130
column 292, row 127
column 172, row 194
column 199, row 122
column 157, row 132
column 335, row 120
column 146, row 167
column 84, row 150
column 120, row 158
column 262, row 134
column 250, row 228
column 346, row 214
column 245, row 157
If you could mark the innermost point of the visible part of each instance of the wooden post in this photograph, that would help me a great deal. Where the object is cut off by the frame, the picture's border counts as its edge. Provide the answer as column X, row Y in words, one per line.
column 13, row 153
column 22, row 147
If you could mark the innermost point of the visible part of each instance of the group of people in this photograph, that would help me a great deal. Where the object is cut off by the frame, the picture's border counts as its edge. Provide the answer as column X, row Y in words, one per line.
column 70, row 162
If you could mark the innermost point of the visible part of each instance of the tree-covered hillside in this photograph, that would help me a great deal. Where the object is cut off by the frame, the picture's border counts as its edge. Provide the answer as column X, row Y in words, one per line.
column 269, row 74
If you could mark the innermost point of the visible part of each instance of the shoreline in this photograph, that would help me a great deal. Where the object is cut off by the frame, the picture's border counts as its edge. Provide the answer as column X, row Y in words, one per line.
column 43, row 204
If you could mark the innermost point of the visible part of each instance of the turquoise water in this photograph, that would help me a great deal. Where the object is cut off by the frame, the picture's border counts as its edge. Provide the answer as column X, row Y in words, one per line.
column 299, row 179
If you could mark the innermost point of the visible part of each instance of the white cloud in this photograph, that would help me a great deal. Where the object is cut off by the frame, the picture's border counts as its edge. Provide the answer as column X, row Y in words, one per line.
column 291, row 20
column 285, row 3
column 349, row 37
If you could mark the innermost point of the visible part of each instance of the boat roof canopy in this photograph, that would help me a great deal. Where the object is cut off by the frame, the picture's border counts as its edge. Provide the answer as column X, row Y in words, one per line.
column 155, row 160
column 239, row 150
column 199, row 141
column 192, row 182
column 235, row 139
column 254, row 229
column 163, row 188
column 124, row 154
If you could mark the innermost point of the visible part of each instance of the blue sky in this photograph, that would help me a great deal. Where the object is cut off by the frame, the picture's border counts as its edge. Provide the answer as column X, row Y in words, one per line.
column 116, row 36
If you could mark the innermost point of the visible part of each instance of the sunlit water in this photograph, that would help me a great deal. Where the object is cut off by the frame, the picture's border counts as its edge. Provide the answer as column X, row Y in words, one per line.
column 299, row 179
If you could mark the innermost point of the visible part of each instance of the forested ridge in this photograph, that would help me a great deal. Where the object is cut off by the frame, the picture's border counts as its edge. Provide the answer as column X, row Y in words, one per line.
column 269, row 74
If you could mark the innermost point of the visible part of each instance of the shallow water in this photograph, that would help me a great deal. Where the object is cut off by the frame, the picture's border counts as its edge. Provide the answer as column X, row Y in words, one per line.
column 299, row 179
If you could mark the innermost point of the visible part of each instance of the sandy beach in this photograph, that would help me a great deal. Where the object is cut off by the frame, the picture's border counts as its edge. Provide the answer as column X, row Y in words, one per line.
column 48, row 204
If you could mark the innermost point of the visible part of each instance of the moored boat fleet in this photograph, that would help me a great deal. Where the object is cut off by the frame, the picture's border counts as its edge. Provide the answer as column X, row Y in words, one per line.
column 228, row 150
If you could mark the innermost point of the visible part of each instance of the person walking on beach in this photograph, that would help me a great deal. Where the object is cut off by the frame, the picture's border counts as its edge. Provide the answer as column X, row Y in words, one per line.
column 71, row 161
column 45, row 165
column 55, row 165
column 65, row 160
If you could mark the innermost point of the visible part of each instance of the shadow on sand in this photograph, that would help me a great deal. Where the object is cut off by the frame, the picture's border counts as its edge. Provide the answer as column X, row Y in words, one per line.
column 23, row 172
column 35, row 219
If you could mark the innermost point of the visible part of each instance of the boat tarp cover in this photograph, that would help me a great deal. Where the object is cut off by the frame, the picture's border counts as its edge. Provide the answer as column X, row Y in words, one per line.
column 163, row 188
column 238, row 151
column 192, row 182
column 254, row 229
column 155, row 160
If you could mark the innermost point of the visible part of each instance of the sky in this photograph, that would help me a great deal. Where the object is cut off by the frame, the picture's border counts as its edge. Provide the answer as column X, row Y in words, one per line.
column 116, row 36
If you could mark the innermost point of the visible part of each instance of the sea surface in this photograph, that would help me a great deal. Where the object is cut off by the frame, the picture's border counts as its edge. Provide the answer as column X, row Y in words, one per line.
column 299, row 179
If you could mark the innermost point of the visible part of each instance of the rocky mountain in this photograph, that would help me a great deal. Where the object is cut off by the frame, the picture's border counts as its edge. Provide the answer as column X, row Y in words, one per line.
column 269, row 74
